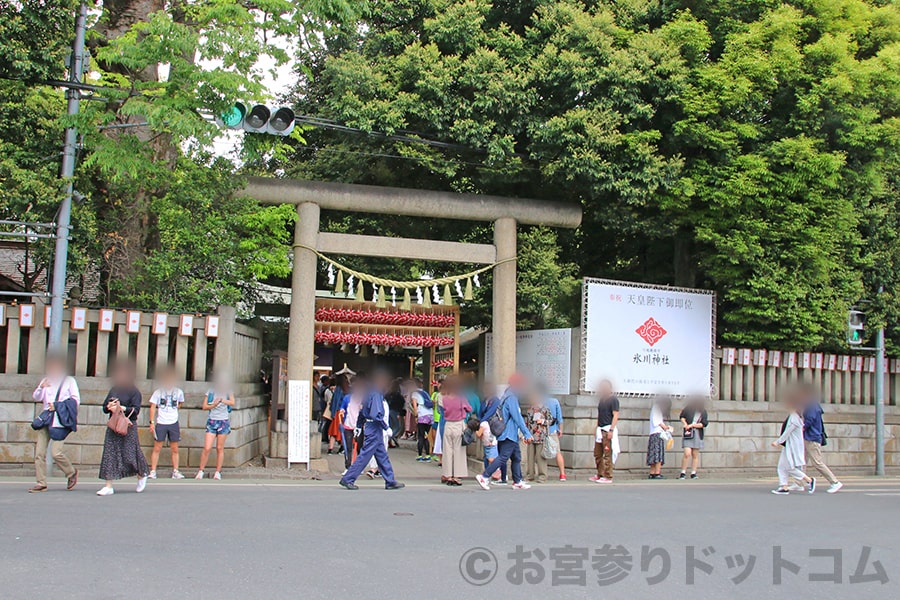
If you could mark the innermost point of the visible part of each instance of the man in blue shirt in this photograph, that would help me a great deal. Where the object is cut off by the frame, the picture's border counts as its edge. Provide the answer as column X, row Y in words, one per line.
column 814, row 437
column 374, row 423
column 508, row 441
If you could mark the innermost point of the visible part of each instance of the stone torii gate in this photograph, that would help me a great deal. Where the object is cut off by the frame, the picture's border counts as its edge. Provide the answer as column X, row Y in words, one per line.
column 312, row 196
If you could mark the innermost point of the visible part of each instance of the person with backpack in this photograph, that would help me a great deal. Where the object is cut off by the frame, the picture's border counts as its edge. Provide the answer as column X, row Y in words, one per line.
column 424, row 408
column 219, row 401
column 506, row 423
column 814, row 437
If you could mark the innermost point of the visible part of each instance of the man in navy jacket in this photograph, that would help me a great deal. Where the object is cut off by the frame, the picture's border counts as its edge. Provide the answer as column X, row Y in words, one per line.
column 374, row 422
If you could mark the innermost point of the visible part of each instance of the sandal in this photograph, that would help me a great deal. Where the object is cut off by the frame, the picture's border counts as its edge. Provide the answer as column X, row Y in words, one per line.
column 37, row 489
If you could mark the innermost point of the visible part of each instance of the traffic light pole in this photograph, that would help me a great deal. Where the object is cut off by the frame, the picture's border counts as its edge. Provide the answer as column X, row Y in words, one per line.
column 879, row 400
column 67, row 173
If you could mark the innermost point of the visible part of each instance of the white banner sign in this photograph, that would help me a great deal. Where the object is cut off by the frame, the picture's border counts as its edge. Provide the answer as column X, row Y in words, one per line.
column 543, row 355
column 298, row 421
column 647, row 339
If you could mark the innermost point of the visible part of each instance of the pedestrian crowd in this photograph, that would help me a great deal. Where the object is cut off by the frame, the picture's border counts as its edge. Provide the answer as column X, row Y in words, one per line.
column 122, row 454
column 518, row 429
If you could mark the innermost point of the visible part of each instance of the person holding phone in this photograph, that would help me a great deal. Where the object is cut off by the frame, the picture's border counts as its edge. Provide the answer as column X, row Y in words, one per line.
column 218, row 401
column 164, row 404
column 122, row 454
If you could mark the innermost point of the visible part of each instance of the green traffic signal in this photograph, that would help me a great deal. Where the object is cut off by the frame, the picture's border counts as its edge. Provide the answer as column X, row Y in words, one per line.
column 234, row 116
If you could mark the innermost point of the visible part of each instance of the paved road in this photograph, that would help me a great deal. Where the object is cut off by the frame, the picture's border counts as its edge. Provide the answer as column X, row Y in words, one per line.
column 245, row 539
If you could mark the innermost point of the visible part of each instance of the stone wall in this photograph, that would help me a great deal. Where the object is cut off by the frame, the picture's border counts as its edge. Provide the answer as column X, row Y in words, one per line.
column 249, row 435
column 738, row 439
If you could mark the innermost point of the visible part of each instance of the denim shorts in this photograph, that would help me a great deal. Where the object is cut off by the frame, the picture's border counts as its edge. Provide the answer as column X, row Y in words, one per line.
column 218, row 426
column 490, row 452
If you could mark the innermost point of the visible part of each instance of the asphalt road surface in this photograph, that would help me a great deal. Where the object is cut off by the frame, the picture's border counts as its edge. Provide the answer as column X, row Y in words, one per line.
column 255, row 539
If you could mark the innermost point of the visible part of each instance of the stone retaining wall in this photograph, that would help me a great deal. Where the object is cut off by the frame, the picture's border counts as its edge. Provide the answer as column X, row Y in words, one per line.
column 249, row 435
column 738, row 438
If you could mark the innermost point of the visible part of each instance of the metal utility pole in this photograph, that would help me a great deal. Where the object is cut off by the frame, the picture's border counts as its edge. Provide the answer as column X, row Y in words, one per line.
column 879, row 399
column 67, row 173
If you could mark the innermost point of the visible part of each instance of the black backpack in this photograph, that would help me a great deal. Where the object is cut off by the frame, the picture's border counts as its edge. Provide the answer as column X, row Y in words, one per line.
column 497, row 423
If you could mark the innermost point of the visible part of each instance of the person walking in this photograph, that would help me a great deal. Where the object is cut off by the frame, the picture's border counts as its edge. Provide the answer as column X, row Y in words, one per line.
column 122, row 454
column 694, row 420
column 374, row 423
column 350, row 428
column 656, row 442
column 424, row 409
column 814, row 438
column 793, row 454
column 456, row 408
column 164, row 404
column 605, row 438
column 219, row 401
column 58, row 394
column 339, row 392
column 537, row 418
column 508, row 441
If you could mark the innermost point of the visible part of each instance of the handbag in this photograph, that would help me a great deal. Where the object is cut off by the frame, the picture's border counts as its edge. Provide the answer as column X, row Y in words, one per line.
column 45, row 419
column 551, row 447
column 119, row 423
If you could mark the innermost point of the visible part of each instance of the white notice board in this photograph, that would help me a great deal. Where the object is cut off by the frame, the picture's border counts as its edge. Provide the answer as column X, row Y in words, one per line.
column 542, row 355
column 647, row 339
column 298, row 421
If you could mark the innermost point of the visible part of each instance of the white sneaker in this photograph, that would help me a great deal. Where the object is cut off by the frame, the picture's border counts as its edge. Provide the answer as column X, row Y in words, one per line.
column 152, row 475
column 177, row 475
column 483, row 481
column 217, row 476
column 834, row 487
column 521, row 486
column 344, row 472
column 199, row 475
column 141, row 485
column 106, row 491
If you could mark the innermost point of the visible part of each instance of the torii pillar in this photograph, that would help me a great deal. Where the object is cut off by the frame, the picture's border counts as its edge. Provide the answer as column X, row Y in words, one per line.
column 503, row 315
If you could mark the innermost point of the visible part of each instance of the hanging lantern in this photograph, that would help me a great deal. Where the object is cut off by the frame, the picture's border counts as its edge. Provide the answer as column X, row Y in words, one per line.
column 467, row 296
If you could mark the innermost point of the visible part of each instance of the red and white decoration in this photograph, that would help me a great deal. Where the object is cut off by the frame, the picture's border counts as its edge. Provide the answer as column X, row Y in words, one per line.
column 212, row 326
column 186, row 325
column 79, row 319
column 384, row 317
column 26, row 315
column 133, row 325
column 107, row 320
column 382, row 339
column 160, row 324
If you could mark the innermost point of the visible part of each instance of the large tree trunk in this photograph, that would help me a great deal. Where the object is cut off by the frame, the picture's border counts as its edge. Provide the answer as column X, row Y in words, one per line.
column 128, row 225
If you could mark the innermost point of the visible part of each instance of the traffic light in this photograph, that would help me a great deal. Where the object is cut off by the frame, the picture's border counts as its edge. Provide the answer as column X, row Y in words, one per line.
column 259, row 119
column 856, row 327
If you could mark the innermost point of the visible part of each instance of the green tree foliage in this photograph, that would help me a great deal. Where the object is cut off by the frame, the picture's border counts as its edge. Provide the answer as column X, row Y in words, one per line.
column 745, row 146
column 159, row 220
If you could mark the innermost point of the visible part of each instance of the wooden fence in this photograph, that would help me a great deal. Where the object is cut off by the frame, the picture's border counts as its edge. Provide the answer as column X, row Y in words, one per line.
column 195, row 344
column 762, row 375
